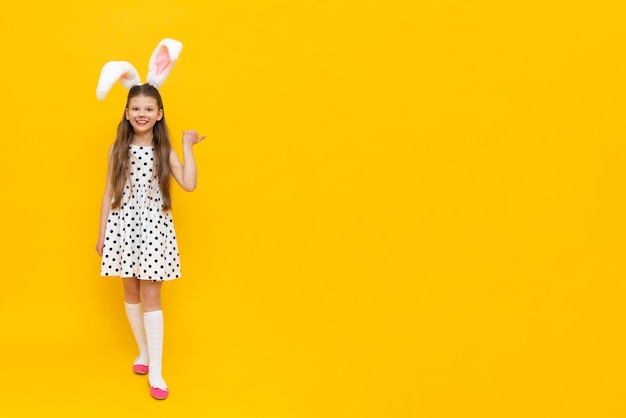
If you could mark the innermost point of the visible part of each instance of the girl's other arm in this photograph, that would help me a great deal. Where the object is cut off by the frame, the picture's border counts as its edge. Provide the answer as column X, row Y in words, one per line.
column 186, row 175
column 106, row 206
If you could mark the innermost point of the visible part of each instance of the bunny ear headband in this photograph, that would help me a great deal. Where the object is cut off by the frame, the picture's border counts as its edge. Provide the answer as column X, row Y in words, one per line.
column 161, row 62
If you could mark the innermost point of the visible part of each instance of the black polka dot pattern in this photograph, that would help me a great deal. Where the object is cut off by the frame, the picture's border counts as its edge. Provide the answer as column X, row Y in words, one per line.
column 140, row 240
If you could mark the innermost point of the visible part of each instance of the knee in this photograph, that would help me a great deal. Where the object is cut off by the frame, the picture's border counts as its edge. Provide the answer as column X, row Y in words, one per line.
column 131, row 290
column 150, row 304
column 150, row 293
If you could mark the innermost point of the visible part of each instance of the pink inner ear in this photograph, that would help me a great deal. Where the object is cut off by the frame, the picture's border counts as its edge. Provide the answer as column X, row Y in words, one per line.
column 162, row 60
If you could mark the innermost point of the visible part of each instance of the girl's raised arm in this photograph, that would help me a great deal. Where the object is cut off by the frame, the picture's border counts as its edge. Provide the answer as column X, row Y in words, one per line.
column 186, row 175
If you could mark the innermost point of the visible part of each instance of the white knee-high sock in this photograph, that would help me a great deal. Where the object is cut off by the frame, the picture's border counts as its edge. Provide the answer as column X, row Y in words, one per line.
column 134, row 312
column 153, row 322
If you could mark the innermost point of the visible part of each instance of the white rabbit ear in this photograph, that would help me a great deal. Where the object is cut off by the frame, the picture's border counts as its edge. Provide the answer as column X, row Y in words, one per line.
column 162, row 60
column 114, row 71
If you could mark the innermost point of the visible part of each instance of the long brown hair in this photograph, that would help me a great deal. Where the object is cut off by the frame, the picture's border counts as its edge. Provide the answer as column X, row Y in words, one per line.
column 120, row 165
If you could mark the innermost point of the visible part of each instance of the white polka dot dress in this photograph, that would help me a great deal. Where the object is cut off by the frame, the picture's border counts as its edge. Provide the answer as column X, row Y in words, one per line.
column 140, row 240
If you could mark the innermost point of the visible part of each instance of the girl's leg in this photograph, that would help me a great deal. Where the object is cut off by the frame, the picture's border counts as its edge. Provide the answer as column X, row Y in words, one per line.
column 131, row 290
column 150, row 293
column 134, row 312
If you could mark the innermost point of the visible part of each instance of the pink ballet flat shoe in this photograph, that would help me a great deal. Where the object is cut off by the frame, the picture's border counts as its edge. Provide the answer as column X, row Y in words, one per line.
column 159, row 394
column 140, row 368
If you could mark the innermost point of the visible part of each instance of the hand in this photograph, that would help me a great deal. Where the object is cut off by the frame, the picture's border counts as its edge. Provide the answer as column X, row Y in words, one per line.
column 99, row 246
column 191, row 137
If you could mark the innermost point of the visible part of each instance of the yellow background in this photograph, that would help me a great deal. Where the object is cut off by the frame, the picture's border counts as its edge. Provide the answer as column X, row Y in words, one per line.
column 405, row 209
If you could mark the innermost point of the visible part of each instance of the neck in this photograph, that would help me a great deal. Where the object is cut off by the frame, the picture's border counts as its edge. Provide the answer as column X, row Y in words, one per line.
column 144, row 140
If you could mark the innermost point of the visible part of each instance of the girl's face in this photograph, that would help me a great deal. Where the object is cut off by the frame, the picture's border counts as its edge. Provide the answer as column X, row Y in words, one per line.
column 142, row 113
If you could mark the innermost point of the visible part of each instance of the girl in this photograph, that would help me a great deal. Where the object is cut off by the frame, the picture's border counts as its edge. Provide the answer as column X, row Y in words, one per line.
column 137, row 241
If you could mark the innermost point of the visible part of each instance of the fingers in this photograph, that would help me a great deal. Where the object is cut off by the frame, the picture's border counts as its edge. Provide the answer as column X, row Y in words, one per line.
column 193, row 136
